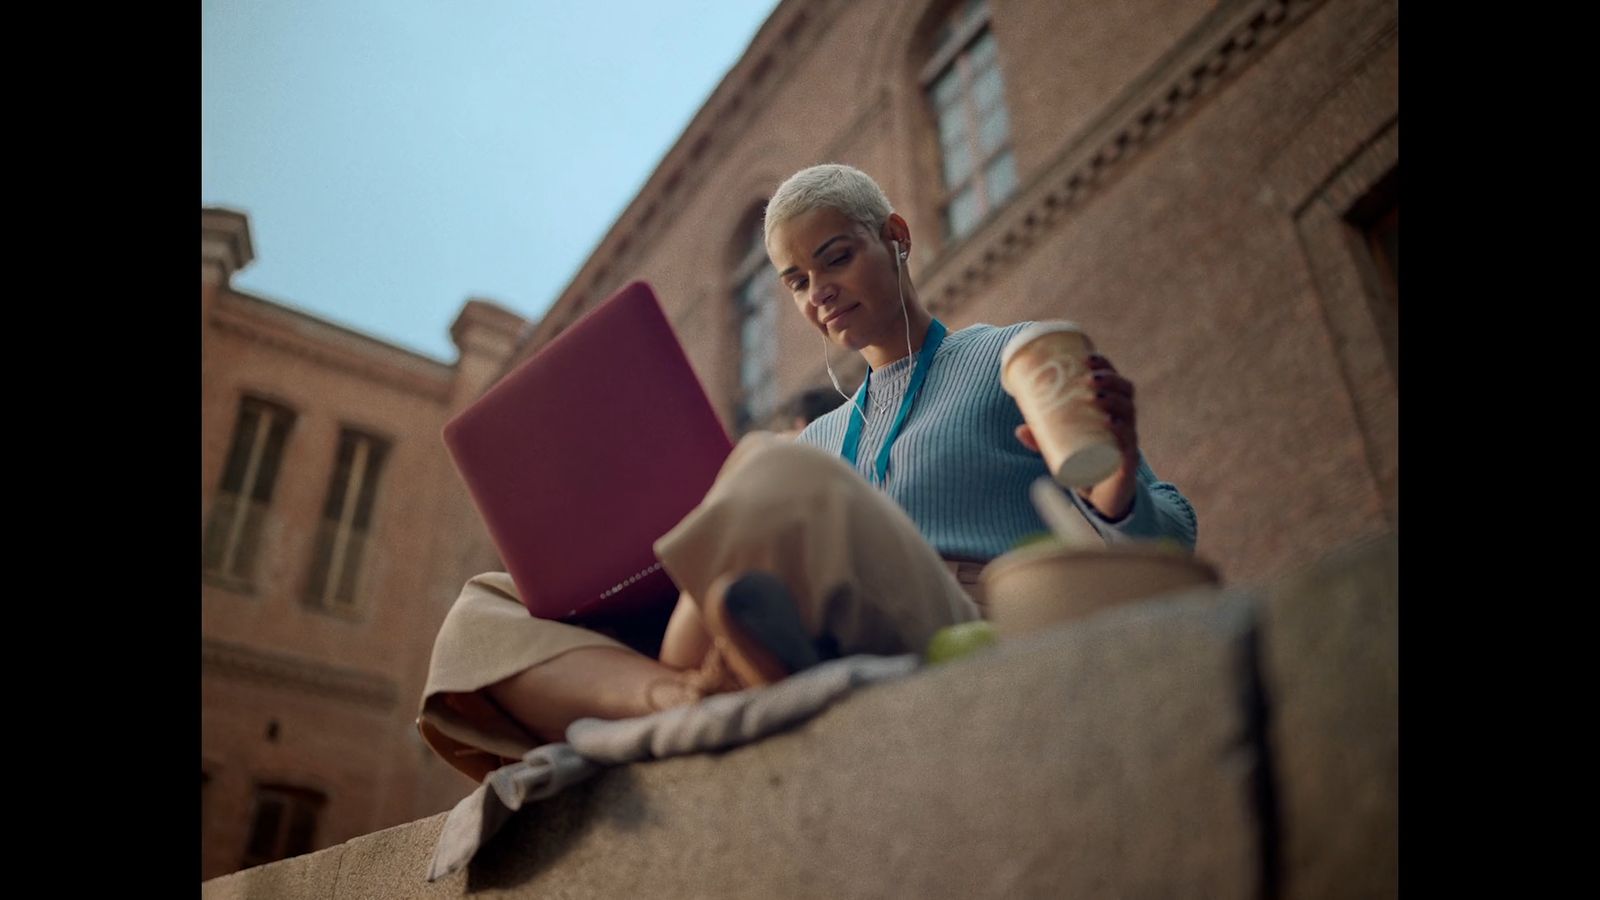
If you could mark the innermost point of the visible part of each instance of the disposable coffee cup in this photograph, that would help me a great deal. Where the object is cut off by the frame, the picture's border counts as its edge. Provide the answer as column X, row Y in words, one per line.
column 1043, row 368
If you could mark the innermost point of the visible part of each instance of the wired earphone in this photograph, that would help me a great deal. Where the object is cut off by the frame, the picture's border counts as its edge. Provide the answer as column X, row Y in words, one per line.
column 899, row 257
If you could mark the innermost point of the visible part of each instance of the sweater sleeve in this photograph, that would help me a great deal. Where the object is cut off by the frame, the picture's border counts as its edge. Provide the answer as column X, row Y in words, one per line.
column 1159, row 510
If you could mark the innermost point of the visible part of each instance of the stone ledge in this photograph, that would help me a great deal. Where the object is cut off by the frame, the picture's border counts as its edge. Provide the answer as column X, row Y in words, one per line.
column 1331, row 664
column 1124, row 755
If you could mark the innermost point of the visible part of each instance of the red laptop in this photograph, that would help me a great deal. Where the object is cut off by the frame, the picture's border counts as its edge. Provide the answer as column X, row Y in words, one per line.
column 584, row 455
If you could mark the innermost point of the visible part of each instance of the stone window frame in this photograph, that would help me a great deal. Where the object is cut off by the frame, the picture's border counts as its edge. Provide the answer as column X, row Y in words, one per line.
column 229, row 516
column 333, row 580
column 949, row 52
column 1361, row 316
column 1372, row 219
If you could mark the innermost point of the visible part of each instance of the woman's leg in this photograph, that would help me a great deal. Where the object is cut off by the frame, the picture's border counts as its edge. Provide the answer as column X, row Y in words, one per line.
column 598, row 682
column 685, row 644
column 501, row 682
column 858, row 570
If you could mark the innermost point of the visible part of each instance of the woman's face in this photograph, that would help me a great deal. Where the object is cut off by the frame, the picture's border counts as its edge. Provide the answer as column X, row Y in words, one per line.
column 841, row 276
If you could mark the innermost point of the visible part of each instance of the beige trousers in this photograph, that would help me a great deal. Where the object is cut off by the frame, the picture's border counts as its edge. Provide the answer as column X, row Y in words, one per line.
column 856, row 564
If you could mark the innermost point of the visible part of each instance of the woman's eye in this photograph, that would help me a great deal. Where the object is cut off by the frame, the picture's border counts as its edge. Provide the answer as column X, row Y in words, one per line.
column 839, row 259
column 799, row 285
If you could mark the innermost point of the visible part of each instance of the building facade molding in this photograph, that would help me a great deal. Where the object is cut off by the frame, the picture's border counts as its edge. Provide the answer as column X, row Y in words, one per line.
column 225, row 245
column 298, row 674
column 245, row 323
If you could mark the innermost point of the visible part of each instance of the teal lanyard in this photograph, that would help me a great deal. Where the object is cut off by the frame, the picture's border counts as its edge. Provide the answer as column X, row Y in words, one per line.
column 852, row 435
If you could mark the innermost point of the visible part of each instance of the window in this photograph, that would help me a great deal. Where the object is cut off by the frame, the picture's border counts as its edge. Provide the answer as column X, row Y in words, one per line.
column 346, row 521
column 757, row 303
column 1379, row 224
column 284, row 824
column 1374, row 220
column 967, row 95
column 233, row 536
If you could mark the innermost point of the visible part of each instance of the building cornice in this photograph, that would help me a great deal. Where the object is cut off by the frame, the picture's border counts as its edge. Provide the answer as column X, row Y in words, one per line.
column 332, row 346
column 297, row 674
column 225, row 241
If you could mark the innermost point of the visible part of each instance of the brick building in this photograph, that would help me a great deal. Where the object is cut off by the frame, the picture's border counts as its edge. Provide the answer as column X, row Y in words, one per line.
column 1210, row 186
column 334, row 533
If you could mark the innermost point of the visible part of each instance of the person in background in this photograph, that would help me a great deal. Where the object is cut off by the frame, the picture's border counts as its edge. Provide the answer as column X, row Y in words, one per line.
column 810, row 406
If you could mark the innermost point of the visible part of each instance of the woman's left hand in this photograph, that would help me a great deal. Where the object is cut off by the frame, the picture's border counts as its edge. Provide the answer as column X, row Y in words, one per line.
column 1112, row 394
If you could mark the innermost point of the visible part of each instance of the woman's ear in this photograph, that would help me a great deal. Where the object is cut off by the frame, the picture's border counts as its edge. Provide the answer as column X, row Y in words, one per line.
column 897, row 232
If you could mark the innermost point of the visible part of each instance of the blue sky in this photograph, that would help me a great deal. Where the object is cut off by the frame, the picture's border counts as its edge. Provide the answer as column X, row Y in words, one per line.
column 398, row 156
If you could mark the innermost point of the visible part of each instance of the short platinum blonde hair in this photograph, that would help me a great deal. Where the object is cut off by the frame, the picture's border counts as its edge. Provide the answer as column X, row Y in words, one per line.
column 843, row 188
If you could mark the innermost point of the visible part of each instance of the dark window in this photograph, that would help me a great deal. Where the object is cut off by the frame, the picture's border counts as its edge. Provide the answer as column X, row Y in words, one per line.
column 967, row 96
column 346, row 522
column 233, row 535
column 1383, row 237
column 1375, row 221
column 284, row 824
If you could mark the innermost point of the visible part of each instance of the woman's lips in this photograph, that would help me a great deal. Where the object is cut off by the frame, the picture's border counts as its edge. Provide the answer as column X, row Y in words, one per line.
column 838, row 314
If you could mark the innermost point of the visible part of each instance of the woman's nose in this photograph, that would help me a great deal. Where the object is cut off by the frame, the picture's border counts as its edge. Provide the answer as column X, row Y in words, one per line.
column 822, row 293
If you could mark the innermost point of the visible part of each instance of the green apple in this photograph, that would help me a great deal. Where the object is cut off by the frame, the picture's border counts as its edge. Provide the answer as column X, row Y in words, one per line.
column 956, row 641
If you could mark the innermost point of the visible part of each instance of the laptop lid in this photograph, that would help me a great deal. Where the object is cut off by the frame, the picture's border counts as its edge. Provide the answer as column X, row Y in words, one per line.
column 585, row 454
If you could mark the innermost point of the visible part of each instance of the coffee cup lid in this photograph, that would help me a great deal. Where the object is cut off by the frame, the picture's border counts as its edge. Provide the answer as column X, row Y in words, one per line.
column 1035, row 330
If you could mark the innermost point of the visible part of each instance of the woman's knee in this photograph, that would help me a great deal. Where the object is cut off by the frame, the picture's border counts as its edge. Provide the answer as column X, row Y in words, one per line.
column 781, row 471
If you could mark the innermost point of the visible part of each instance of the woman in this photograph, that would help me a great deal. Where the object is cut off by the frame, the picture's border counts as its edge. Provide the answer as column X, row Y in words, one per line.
column 864, row 536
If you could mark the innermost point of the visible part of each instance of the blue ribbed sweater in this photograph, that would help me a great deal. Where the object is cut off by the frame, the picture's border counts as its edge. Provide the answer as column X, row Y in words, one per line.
column 957, row 468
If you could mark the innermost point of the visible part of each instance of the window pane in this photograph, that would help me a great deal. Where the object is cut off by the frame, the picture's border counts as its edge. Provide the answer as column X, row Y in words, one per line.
column 371, row 453
column 963, row 212
column 215, row 543
column 957, row 164
column 302, row 828
column 946, row 88
column 751, row 366
column 264, row 831
column 1001, row 178
column 758, row 238
column 244, row 438
column 757, row 335
column 271, row 456
column 1385, row 236
column 982, row 51
column 344, row 459
column 344, row 470
column 987, row 88
column 952, row 127
column 321, row 560
column 354, row 550
column 992, row 133
column 244, row 555
column 376, row 452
